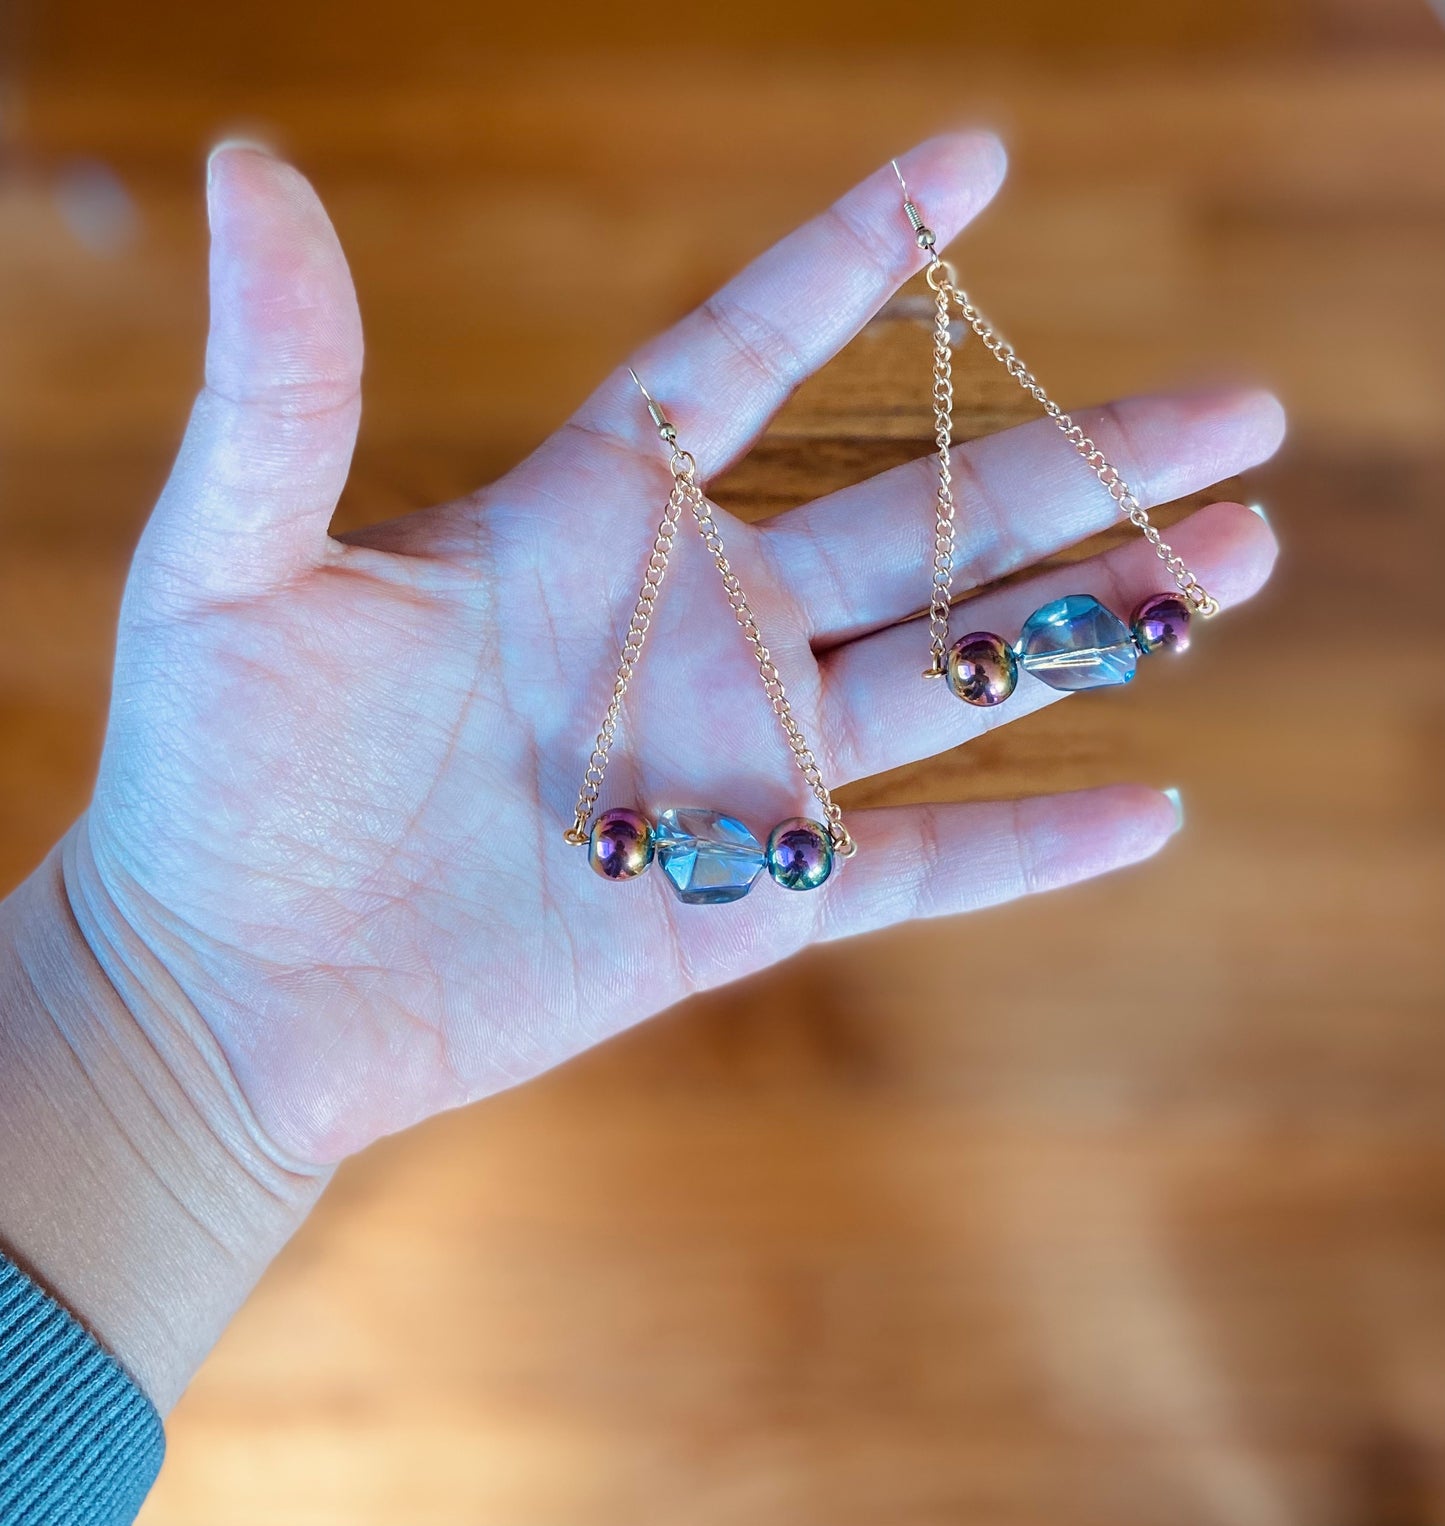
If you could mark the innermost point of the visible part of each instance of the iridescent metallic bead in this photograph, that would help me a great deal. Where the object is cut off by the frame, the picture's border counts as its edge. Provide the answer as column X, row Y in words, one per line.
column 1162, row 623
column 982, row 668
column 800, row 853
column 1075, row 643
column 708, row 858
column 620, row 847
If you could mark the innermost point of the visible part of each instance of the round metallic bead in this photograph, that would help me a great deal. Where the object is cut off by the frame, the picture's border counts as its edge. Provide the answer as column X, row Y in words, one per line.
column 1162, row 623
column 800, row 853
column 620, row 847
column 982, row 668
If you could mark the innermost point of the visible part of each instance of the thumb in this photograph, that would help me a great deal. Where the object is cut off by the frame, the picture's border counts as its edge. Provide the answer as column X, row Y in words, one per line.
column 269, row 441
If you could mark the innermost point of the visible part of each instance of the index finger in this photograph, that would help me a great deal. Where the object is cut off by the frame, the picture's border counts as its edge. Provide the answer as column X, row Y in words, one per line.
column 725, row 369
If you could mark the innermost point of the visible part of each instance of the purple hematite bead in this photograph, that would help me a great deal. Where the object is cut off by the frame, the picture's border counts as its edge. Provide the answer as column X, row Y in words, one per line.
column 982, row 668
column 621, row 844
column 1161, row 623
column 800, row 853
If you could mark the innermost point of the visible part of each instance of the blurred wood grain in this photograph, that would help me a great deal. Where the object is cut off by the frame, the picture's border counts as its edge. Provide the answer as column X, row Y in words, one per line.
column 1126, row 1206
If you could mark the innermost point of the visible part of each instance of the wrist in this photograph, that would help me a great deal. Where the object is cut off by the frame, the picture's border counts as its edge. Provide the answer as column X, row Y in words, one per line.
column 135, row 1185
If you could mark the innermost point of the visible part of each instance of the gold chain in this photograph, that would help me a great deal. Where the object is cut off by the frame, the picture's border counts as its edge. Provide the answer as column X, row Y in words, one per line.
column 686, row 494
column 652, row 577
column 944, row 284
column 941, row 592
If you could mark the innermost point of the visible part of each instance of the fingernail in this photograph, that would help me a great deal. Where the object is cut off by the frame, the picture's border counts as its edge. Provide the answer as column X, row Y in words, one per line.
column 250, row 145
column 1177, row 801
column 1258, row 508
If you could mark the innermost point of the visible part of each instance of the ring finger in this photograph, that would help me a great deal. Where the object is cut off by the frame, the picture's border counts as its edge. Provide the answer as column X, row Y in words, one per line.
column 878, row 713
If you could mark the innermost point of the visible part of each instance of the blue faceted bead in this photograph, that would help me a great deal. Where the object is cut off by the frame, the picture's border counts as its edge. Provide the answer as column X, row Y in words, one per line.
column 707, row 858
column 1075, row 643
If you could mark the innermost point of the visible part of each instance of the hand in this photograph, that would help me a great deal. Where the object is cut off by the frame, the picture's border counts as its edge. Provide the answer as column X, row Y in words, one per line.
column 326, row 846
column 337, row 773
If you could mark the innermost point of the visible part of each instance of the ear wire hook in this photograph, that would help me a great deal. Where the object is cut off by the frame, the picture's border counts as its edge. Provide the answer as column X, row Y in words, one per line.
column 921, row 231
column 654, row 408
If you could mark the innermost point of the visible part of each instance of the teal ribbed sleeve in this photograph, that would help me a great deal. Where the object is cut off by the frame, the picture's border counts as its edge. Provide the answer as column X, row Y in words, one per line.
column 80, row 1444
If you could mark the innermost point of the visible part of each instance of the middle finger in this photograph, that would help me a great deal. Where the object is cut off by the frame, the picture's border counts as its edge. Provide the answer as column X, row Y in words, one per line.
column 862, row 558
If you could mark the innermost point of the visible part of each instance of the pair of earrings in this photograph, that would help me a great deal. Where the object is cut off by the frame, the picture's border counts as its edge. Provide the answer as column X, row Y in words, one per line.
column 708, row 857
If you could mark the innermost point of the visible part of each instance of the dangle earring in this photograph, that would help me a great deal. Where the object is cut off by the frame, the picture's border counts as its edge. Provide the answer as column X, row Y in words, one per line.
column 1071, row 643
column 706, row 857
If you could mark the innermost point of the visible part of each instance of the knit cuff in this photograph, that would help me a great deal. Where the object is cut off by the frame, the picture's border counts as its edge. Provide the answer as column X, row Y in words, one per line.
column 80, row 1444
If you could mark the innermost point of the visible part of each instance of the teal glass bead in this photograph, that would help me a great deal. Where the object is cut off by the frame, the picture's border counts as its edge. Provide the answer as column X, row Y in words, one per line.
column 706, row 857
column 1075, row 643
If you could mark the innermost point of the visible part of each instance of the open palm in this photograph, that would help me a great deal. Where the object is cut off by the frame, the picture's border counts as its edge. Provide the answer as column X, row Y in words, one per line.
column 337, row 773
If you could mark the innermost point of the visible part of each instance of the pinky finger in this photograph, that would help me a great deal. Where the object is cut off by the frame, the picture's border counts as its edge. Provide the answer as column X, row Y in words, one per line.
column 938, row 860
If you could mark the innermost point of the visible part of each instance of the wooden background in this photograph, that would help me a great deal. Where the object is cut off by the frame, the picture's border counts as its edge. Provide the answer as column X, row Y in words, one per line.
column 1139, row 1219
